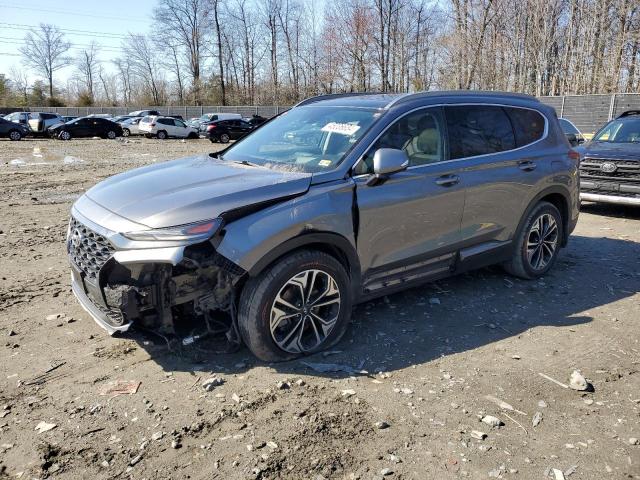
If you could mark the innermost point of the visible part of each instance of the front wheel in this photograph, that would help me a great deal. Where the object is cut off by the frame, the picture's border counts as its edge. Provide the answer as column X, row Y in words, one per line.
column 15, row 135
column 538, row 243
column 161, row 135
column 111, row 135
column 64, row 135
column 298, row 306
column 125, row 132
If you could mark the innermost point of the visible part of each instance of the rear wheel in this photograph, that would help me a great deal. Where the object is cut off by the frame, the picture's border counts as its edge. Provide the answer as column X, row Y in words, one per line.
column 125, row 132
column 224, row 138
column 161, row 135
column 15, row 135
column 111, row 135
column 298, row 306
column 64, row 135
column 538, row 243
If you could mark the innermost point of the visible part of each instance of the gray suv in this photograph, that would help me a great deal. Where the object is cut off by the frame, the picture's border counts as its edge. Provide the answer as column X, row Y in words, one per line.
column 341, row 199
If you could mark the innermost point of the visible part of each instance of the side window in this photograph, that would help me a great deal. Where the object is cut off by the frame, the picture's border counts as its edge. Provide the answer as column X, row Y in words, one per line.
column 528, row 125
column 180, row 124
column 419, row 134
column 478, row 130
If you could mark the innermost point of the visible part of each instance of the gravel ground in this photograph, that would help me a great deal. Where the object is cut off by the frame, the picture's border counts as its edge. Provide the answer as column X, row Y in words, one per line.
column 420, row 369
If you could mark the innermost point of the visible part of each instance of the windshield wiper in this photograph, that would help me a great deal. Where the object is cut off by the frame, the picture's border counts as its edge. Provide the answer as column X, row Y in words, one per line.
column 247, row 163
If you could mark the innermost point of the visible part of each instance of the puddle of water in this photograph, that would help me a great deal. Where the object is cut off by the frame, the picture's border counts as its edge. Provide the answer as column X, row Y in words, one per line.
column 17, row 162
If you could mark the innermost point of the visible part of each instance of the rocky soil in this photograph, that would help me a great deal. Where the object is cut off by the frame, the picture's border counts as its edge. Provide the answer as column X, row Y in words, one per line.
column 468, row 377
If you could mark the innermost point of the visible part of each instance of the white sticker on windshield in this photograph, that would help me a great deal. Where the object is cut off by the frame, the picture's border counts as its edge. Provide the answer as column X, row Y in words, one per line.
column 342, row 128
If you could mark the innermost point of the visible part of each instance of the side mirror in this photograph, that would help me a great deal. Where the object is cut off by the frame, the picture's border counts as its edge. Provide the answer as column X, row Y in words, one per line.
column 387, row 161
column 573, row 140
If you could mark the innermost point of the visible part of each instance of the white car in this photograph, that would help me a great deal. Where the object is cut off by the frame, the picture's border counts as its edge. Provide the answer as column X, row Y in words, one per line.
column 130, row 126
column 165, row 127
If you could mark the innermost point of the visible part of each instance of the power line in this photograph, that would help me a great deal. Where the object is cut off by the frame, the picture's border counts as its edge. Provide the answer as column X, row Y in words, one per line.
column 9, row 54
column 76, row 14
column 73, row 47
column 68, row 31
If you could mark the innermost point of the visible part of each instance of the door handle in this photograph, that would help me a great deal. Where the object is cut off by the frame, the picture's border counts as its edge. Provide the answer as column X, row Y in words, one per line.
column 448, row 180
column 527, row 166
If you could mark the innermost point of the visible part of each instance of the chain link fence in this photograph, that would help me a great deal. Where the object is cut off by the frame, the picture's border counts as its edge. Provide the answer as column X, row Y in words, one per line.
column 587, row 112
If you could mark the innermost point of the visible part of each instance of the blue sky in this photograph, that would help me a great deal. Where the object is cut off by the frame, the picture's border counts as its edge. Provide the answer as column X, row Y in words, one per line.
column 83, row 21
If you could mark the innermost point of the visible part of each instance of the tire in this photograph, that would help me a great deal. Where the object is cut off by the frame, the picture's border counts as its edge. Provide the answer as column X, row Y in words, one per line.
column 64, row 135
column 111, row 135
column 125, row 132
column 526, row 263
column 161, row 135
column 280, row 283
column 192, row 136
column 224, row 138
column 15, row 135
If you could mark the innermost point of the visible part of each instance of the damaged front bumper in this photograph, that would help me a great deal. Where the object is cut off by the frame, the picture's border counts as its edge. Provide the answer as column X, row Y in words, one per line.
column 154, row 288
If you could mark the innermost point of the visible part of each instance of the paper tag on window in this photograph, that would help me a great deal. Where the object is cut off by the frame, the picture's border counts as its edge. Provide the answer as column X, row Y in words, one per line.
column 342, row 128
column 324, row 163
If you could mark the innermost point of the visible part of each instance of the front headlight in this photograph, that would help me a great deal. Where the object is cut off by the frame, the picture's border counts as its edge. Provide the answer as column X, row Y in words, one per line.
column 191, row 232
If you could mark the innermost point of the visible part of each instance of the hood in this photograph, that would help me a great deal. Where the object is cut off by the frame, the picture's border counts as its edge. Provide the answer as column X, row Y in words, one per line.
column 612, row 151
column 192, row 189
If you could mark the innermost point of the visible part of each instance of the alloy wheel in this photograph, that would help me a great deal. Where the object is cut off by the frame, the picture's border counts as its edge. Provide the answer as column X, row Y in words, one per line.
column 305, row 311
column 125, row 132
column 64, row 135
column 111, row 134
column 15, row 135
column 542, row 241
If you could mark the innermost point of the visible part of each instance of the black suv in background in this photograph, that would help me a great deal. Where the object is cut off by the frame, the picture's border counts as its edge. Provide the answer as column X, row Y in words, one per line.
column 610, row 166
column 224, row 130
column 279, row 235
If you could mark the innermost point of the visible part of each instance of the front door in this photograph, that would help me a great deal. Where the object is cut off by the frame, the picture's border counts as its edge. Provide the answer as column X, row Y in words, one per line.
column 409, row 225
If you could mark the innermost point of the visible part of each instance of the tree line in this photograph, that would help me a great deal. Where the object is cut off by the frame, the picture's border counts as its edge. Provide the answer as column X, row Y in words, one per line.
column 280, row 51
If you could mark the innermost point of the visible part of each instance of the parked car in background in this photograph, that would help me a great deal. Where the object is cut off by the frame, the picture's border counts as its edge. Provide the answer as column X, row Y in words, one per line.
column 86, row 127
column 281, row 239
column 100, row 115
column 130, row 126
column 39, row 122
column 610, row 166
column 122, row 118
column 165, row 127
column 194, row 122
column 18, row 117
column 256, row 120
column 574, row 136
column 224, row 130
column 177, row 117
column 68, row 118
column 13, row 130
column 144, row 113
column 212, row 117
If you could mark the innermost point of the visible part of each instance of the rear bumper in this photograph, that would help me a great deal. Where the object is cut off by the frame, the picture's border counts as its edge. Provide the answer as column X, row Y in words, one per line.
column 98, row 315
column 597, row 197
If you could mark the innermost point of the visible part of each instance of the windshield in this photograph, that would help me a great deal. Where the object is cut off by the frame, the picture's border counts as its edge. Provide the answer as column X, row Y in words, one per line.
column 620, row 131
column 307, row 139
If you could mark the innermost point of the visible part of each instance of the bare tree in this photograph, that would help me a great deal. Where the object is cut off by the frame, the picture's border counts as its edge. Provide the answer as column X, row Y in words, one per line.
column 21, row 82
column 45, row 51
column 87, row 64
column 144, row 65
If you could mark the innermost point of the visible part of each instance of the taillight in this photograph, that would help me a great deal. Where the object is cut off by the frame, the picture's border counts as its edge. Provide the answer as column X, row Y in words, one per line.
column 575, row 156
column 211, row 127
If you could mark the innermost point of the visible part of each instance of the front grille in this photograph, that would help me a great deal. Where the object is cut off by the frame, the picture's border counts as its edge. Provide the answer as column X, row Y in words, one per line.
column 88, row 250
column 626, row 171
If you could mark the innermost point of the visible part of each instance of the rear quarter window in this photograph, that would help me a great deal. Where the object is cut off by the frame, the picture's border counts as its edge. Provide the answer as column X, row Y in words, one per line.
column 528, row 125
column 478, row 130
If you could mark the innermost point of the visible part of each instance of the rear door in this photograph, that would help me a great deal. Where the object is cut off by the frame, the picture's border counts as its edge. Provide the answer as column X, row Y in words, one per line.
column 409, row 226
column 499, row 174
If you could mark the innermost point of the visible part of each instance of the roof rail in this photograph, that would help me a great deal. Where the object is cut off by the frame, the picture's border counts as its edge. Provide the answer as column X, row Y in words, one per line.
column 462, row 93
column 328, row 96
column 628, row 113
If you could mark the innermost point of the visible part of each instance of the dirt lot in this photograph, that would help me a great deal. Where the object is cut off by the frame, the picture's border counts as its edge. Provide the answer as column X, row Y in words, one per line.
column 428, row 363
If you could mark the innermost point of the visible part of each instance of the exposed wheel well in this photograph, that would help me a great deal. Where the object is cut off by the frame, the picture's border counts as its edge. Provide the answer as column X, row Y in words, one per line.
column 560, row 202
